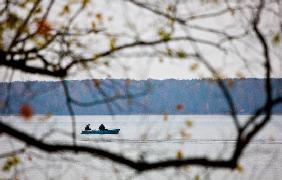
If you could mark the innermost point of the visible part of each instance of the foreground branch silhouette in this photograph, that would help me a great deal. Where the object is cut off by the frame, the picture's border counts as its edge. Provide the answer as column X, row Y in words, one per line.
column 18, row 58
column 137, row 165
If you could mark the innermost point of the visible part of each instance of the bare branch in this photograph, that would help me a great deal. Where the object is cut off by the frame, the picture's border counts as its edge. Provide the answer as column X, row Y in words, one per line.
column 139, row 166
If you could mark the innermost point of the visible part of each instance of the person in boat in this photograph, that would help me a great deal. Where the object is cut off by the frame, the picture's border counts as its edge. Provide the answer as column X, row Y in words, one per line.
column 102, row 127
column 87, row 128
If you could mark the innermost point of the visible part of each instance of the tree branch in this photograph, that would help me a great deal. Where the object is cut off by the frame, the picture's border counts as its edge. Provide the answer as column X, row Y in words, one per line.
column 137, row 165
column 21, row 65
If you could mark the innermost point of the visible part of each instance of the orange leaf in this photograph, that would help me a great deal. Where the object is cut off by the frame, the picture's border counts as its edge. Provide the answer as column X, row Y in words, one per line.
column 26, row 111
column 29, row 158
column 185, row 134
column 96, row 83
column 239, row 168
column 127, row 82
column 99, row 17
column 165, row 116
column 43, row 27
column 179, row 107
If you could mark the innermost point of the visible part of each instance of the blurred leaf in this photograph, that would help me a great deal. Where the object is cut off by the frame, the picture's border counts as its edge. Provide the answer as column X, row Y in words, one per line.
column 23, row 4
column 169, row 52
column 197, row 177
column 230, row 83
column 164, row 35
column 179, row 107
column 106, row 63
column 170, row 21
column 99, row 17
column 94, row 56
column 239, row 168
column 6, row 167
column 96, row 83
column 165, row 116
column 43, row 27
column 12, row 20
column 184, row 134
column 26, row 111
column 170, row 8
column 39, row 42
column 276, row 39
column 127, row 82
column 189, row 123
column 85, row 65
column 93, row 27
column 113, row 43
column 38, row 10
column 65, row 10
column 232, row 11
column 84, row 3
column 218, row 75
column 194, row 66
column 181, row 54
column 29, row 158
column 240, row 75
column 179, row 155
column 80, row 45
column 15, row 160
column 10, row 162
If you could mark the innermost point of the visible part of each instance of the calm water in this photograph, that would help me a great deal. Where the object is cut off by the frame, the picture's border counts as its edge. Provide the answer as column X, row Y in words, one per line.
column 158, row 137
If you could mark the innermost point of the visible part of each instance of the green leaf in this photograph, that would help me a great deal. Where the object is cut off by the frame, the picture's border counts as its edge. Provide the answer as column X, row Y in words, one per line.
column 189, row 123
column 197, row 177
column 169, row 52
column 6, row 167
column 84, row 3
column 166, row 36
column 276, row 39
column 12, row 20
column 113, row 43
column 65, row 10
column 10, row 162
column 181, row 54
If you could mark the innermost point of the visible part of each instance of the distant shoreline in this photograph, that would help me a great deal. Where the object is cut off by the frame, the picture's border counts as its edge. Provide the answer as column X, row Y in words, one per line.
column 134, row 97
column 133, row 80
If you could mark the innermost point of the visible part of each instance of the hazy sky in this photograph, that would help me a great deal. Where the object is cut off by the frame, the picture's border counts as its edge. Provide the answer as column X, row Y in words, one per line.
column 126, row 21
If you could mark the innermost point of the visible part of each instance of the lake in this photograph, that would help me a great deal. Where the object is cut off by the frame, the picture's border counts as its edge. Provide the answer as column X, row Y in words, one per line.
column 150, row 137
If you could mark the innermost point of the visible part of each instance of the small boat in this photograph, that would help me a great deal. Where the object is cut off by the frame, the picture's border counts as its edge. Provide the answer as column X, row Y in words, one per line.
column 106, row 131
